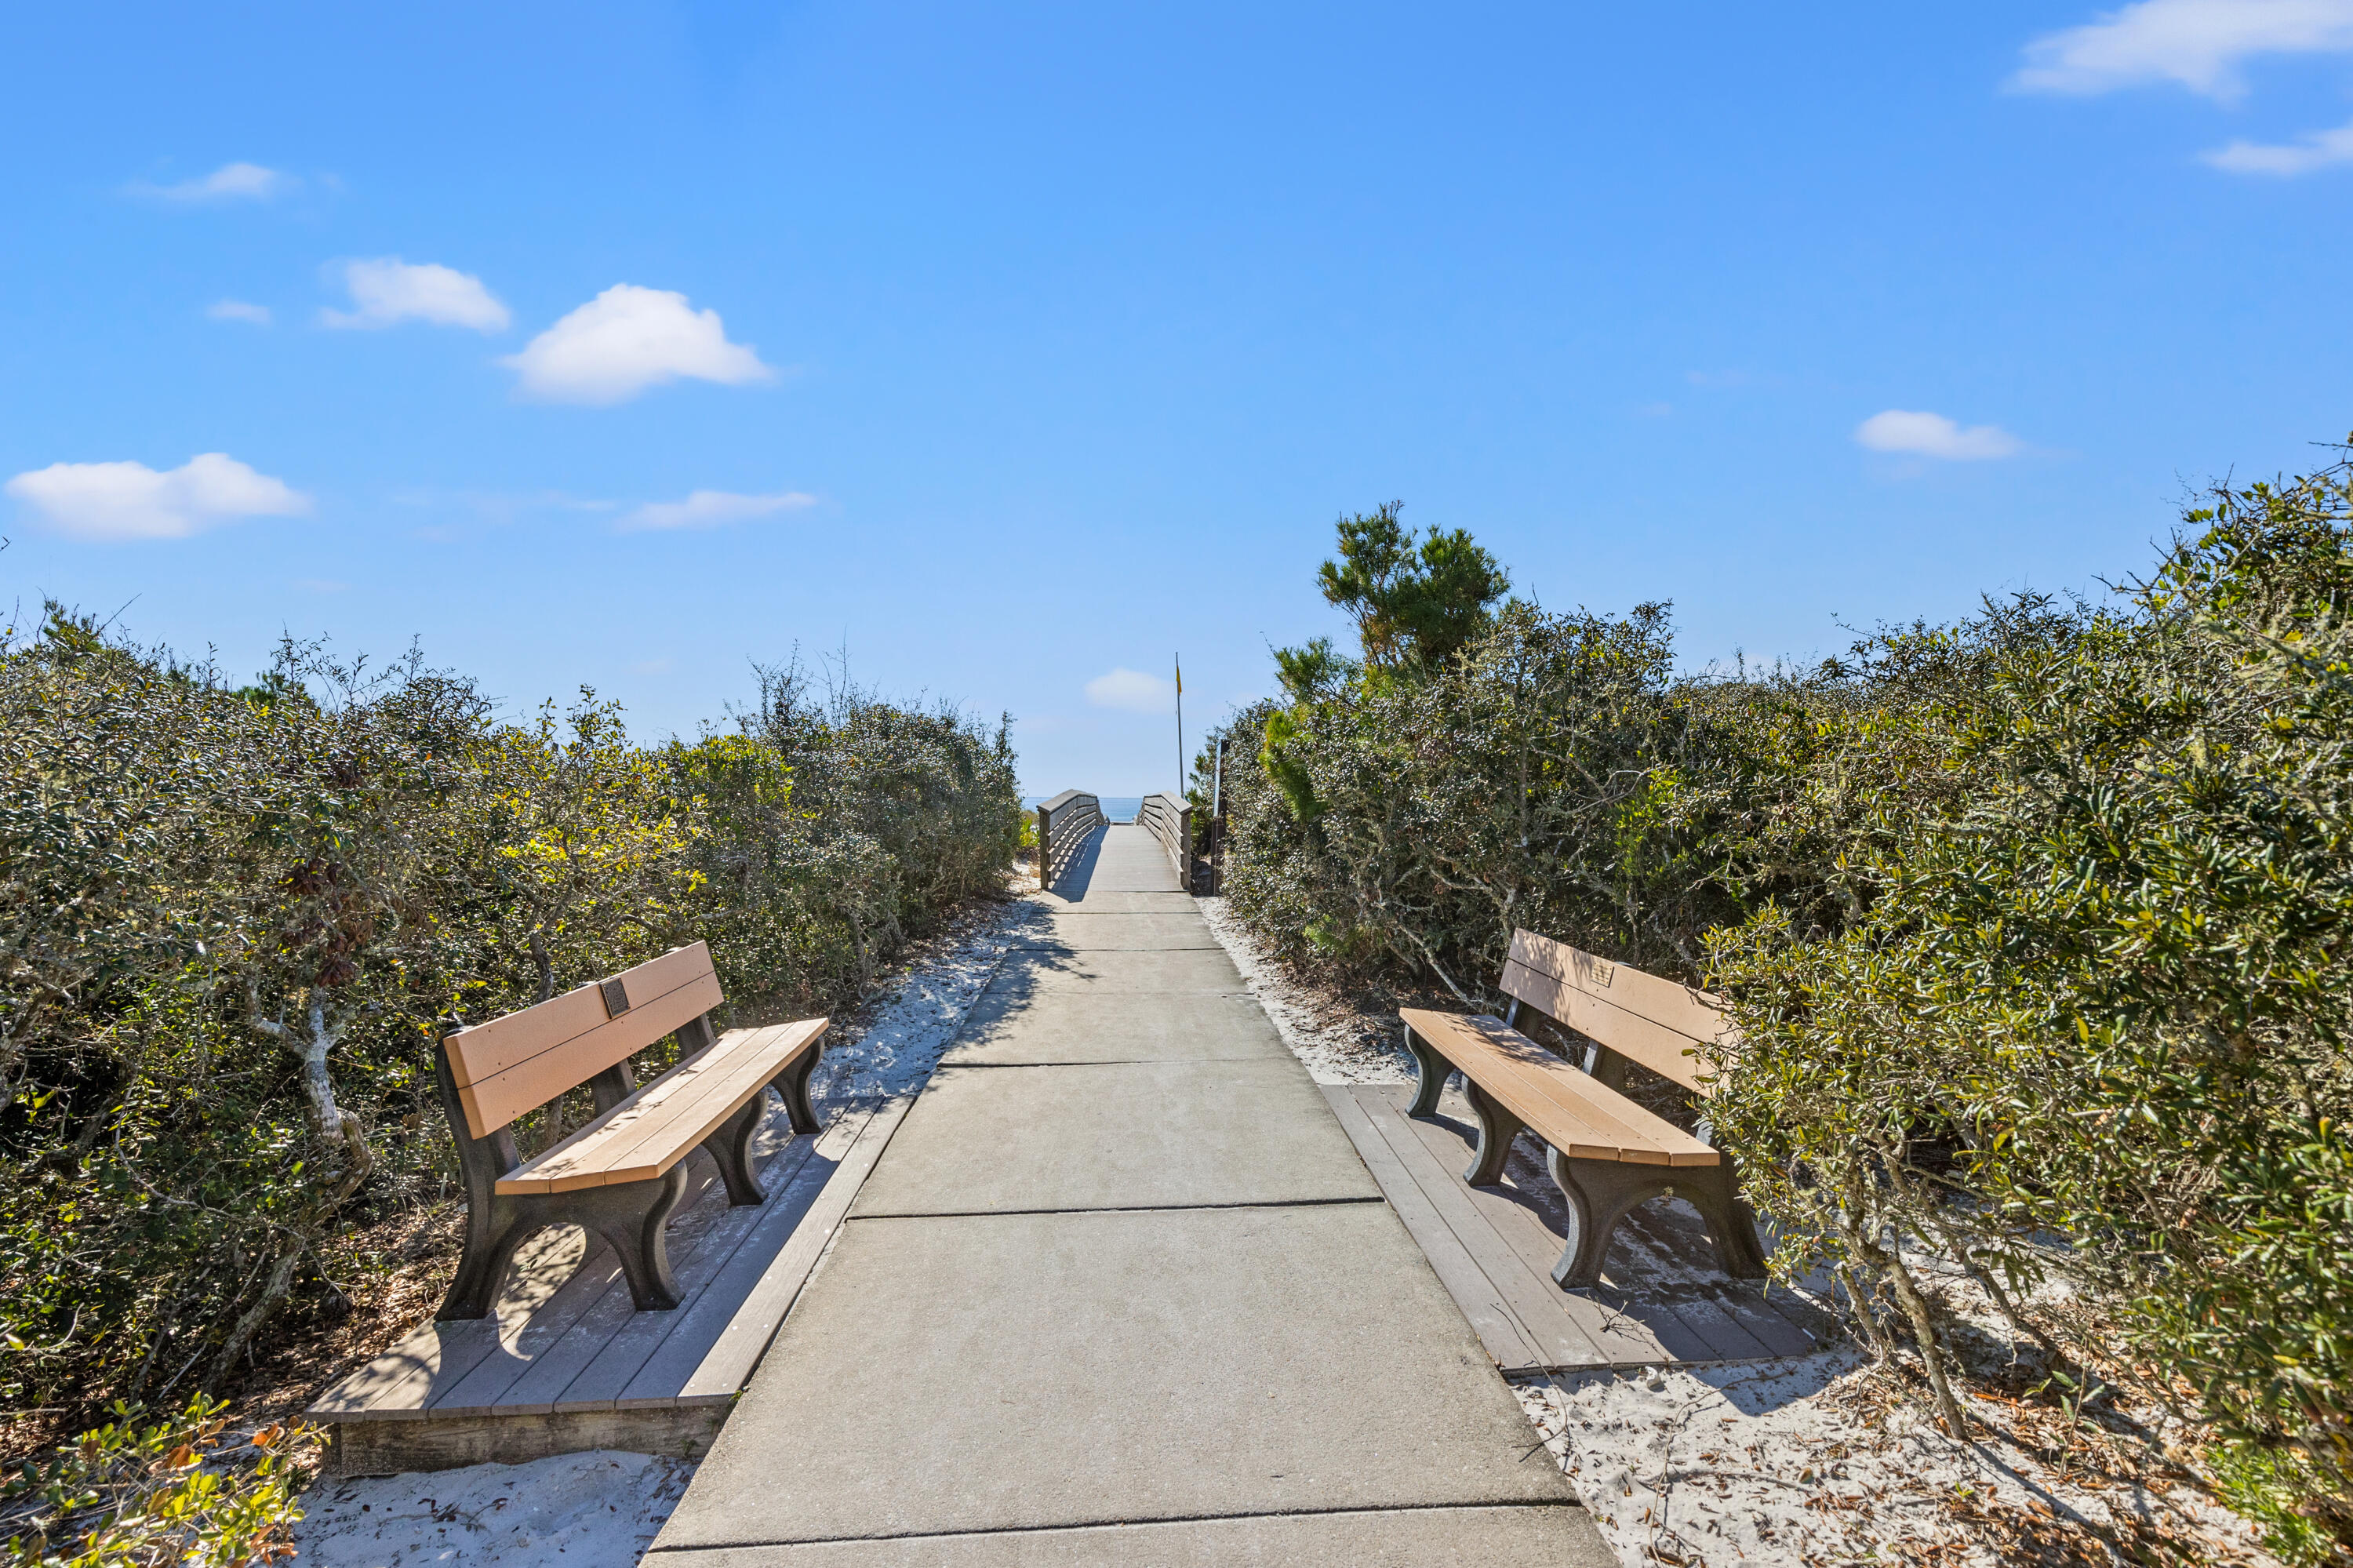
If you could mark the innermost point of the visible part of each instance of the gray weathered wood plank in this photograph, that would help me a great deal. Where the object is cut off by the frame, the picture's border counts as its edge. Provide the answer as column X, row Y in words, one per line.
column 1507, row 1344
column 627, row 1350
column 728, row 1365
column 1675, row 1306
column 394, row 1447
column 483, row 1391
column 1565, row 1330
column 625, row 1357
column 582, row 1316
column 436, row 1357
column 701, row 1320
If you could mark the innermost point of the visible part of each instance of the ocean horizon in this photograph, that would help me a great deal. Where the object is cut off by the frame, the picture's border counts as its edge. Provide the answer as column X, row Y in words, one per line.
column 1116, row 808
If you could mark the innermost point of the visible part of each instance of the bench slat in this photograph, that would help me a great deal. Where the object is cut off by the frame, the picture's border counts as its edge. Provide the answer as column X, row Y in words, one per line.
column 519, row 1063
column 1571, row 1112
column 1667, row 1002
column 1538, row 1088
column 626, row 1143
column 485, row 1049
column 746, row 1059
column 1640, row 1137
column 644, row 1134
column 1663, row 1050
column 1551, row 1109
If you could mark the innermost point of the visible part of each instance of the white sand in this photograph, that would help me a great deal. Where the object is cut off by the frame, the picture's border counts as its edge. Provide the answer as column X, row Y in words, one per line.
column 1338, row 1047
column 582, row 1510
column 896, row 1051
column 1764, row 1464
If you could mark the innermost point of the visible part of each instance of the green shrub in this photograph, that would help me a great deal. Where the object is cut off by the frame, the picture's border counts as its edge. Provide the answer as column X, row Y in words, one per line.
column 2035, row 929
column 232, row 921
column 139, row 1494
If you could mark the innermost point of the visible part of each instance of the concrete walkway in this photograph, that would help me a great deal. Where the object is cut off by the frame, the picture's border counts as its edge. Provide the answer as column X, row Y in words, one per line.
column 1120, row 1291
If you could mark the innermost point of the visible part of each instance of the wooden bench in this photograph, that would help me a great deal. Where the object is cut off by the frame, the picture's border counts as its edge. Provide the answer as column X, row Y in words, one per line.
column 621, row 1174
column 1607, row 1153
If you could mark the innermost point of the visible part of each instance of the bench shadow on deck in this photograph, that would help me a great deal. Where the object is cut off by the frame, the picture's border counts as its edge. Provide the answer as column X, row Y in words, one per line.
column 1661, row 1300
column 564, row 1363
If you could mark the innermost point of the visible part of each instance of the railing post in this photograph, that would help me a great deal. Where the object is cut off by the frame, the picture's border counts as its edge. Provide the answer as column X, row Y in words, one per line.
column 1045, row 850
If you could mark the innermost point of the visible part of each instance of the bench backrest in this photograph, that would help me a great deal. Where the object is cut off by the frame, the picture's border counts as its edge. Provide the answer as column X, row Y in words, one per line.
column 1663, row 1024
column 516, row 1063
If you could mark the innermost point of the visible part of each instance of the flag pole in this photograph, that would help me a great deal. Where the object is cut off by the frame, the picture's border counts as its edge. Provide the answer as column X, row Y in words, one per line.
column 1180, row 726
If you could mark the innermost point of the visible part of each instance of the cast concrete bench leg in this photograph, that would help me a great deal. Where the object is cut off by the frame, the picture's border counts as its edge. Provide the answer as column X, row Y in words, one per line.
column 1430, row 1073
column 1497, row 1126
column 1600, row 1192
column 731, row 1145
column 630, row 1216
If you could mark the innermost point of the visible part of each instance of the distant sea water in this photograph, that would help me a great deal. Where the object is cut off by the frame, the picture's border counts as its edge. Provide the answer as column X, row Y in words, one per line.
column 1117, row 807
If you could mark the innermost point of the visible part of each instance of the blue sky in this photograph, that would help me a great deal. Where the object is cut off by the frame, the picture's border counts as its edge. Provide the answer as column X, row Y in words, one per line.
column 1012, row 350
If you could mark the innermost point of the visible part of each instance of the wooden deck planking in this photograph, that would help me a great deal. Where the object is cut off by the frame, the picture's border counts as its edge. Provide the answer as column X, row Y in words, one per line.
column 1649, row 1287
column 553, row 1380
column 727, row 1366
column 434, row 1359
column 530, row 1342
column 613, row 1336
column 1507, row 1343
column 1515, row 1243
column 617, row 1361
column 661, row 1377
column 1556, row 1335
column 567, row 1353
column 1663, row 1301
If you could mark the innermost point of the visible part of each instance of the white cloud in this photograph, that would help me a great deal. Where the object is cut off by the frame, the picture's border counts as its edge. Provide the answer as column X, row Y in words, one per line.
column 1933, row 435
column 1133, row 691
column 2198, row 42
column 2313, row 150
column 626, row 340
column 387, row 289
column 238, row 310
column 132, row 501
column 710, row 509
column 230, row 182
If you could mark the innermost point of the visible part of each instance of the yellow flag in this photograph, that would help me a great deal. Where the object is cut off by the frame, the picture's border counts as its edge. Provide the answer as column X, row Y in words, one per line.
column 1180, row 677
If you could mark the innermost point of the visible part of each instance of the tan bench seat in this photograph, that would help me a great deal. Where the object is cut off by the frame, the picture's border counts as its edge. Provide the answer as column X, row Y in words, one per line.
column 641, row 1138
column 1580, row 1118
column 1607, row 1153
column 624, row 1172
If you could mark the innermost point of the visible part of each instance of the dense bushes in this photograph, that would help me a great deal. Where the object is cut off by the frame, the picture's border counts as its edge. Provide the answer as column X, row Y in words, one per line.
column 141, row 1493
column 2035, row 927
column 232, row 919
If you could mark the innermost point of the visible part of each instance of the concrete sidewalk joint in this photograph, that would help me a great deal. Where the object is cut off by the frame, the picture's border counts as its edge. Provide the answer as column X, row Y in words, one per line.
column 1139, row 1301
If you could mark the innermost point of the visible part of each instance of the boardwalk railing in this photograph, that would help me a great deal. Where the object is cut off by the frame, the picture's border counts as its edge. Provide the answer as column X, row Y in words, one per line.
column 1063, row 825
column 1171, row 821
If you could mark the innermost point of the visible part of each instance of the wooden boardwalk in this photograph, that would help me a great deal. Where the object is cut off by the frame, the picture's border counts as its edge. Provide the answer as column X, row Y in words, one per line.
column 1662, row 1299
column 565, row 1363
